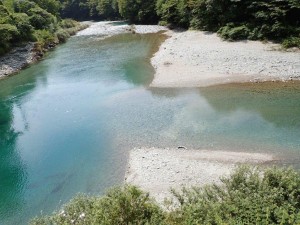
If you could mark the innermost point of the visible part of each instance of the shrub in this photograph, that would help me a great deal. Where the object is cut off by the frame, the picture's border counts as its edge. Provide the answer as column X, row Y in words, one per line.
column 174, row 12
column 248, row 196
column 44, row 39
column 231, row 32
column 8, row 32
column 291, row 42
column 4, row 15
column 137, row 11
column 62, row 35
column 122, row 206
column 23, row 6
column 40, row 18
column 68, row 23
column 21, row 21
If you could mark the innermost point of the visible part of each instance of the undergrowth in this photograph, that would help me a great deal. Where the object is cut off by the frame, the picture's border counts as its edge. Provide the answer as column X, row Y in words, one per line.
column 249, row 196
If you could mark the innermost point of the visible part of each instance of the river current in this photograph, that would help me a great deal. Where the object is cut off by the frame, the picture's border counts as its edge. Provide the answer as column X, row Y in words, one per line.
column 68, row 122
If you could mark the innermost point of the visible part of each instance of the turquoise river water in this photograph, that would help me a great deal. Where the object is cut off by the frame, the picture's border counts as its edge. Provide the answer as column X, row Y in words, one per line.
column 68, row 122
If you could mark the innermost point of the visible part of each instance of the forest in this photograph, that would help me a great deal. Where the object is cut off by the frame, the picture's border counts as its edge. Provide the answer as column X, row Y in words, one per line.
column 277, row 20
column 42, row 20
column 37, row 21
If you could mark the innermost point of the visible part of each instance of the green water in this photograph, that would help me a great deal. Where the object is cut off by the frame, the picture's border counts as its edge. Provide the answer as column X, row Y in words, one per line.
column 68, row 122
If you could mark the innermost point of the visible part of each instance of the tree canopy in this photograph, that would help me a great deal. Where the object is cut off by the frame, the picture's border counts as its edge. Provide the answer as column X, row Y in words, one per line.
column 279, row 20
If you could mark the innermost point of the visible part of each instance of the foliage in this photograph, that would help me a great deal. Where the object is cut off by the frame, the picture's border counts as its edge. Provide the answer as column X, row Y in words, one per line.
column 51, row 6
column 22, row 23
column 231, row 32
column 291, row 42
column 62, row 35
column 8, row 32
column 174, row 12
column 33, row 20
column 68, row 23
column 138, row 11
column 76, row 9
column 232, row 19
column 248, row 196
column 40, row 18
column 128, row 205
column 108, row 9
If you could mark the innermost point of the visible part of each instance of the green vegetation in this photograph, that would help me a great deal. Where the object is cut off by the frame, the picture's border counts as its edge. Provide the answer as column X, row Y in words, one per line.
column 236, row 19
column 29, row 20
column 248, row 196
column 277, row 20
column 38, row 20
column 128, row 205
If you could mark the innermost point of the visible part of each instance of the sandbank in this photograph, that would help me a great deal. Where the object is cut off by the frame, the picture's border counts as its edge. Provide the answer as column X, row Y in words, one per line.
column 198, row 59
column 157, row 170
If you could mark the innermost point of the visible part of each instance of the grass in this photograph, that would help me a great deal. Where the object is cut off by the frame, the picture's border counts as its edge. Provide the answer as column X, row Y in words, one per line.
column 249, row 196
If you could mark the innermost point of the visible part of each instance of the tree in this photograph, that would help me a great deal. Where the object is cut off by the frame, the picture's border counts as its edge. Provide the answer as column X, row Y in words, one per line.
column 138, row 11
column 108, row 9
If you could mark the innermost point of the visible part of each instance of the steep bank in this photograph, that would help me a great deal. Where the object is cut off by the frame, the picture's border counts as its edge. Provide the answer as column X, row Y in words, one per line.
column 197, row 59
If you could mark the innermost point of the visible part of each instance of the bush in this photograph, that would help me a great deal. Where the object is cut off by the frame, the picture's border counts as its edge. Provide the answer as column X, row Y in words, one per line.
column 8, row 32
column 4, row 15
column 174, row 12
column 23, row 6
column 68, row 23
column 62, row 35
column 40, row 18
column 231, row 32
column 122, row 206
column 21, row 21
column 248, row 196
column 44, row 39
column 291, row 42
column 137, row 11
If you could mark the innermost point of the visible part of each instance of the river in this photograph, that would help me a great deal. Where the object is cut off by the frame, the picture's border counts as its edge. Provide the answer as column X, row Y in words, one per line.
column 68, row 122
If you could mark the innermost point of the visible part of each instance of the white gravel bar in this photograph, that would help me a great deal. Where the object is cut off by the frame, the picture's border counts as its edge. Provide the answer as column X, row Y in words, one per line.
column 110, row 28
column 197, row 59
column 157, row 170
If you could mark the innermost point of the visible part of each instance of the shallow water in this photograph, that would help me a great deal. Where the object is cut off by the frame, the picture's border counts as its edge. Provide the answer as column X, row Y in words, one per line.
column 68, row 122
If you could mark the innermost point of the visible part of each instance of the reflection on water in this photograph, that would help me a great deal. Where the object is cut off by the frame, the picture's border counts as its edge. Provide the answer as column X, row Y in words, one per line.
column 67, row 123
column 277, row 102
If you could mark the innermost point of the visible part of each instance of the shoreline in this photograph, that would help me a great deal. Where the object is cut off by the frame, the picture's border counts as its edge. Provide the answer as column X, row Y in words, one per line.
column 20, row 57
column 158, row 170
column 23, row 56
column 17, row 59
column 200, row 59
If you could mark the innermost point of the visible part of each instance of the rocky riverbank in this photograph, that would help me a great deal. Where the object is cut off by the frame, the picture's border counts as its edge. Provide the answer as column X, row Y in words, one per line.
column 17, row 59
column 197, row 59
column 22, row 56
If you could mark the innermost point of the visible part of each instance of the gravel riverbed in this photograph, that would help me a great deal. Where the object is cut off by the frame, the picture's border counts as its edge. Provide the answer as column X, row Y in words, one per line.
column 157, row 170
column 197, row 58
